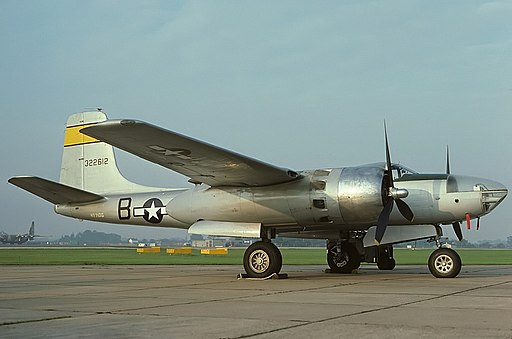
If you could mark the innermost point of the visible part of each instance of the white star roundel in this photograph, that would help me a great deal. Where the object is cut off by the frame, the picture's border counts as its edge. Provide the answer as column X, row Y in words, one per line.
column 152, row 211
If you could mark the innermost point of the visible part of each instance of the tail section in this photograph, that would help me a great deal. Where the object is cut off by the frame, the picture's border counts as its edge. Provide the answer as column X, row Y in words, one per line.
column 88, row 170
column 31, row 230
column 89, row 164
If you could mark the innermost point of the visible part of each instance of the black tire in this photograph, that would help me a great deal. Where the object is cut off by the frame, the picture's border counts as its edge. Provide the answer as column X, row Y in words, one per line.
column 385, row 260
column 386, row 264
column 444, row 263
column 345, row 261
column 262, row 259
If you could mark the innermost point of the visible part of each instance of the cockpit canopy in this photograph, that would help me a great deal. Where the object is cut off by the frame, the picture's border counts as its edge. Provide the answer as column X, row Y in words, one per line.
column 399, row 171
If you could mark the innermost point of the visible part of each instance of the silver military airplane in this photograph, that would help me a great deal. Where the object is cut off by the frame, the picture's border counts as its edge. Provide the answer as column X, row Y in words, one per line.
column 18, row 238
column 238, row 196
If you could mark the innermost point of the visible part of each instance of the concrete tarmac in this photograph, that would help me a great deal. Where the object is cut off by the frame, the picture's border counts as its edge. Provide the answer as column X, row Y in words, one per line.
column 209, row 302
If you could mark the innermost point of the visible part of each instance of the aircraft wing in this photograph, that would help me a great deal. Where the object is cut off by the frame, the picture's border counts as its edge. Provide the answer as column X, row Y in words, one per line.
column 54, row 192
column 200, row 161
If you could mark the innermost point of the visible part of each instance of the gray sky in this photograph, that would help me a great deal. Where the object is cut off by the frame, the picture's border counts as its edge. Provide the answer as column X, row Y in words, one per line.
column 293, row 83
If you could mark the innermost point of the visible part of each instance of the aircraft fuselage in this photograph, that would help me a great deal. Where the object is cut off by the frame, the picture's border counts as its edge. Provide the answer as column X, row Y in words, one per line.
column 350, row 196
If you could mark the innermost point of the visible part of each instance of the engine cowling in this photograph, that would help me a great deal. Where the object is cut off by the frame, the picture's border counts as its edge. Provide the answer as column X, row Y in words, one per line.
column 360, row 192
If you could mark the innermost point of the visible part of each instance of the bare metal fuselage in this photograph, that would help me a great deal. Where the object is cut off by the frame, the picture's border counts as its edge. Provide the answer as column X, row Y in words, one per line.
column 343, row 198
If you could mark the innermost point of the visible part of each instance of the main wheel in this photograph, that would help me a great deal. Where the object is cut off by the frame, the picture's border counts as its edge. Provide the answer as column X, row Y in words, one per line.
column 386, row 264
column 444, row 263
column 344, row 261
column 262, row 259
column 385, row 260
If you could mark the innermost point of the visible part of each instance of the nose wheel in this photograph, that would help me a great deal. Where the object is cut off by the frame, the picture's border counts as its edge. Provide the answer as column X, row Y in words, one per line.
column 444, row 263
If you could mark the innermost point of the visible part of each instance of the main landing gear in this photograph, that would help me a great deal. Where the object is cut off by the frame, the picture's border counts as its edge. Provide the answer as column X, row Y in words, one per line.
column 262, row 259
column 342, row 257
column 385, row 260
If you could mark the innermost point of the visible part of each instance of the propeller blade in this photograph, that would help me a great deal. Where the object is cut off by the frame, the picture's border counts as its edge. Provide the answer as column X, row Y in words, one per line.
column 457, row 230
column 405, row 210
column 468, row 221
column 478, row 223
column 383, row 221
column 447, row 160
column 388, row 158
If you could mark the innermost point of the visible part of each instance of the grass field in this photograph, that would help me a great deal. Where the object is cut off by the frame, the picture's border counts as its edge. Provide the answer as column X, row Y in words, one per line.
column 291, row 256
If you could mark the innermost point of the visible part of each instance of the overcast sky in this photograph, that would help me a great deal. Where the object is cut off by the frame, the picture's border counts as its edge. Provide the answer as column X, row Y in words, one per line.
column 297, row 84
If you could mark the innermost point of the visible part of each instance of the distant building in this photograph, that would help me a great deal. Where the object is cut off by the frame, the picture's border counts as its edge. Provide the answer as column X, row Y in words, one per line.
column 208, row 243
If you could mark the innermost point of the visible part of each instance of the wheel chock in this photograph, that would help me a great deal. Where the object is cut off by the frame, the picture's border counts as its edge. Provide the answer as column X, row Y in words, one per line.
column 272, row 276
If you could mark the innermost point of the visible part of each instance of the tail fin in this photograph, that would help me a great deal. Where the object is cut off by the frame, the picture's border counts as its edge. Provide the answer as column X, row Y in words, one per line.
column 31, row 230
column 89, row 164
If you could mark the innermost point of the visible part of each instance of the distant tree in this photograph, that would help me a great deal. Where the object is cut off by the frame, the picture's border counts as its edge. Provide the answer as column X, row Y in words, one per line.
column 299, row 242
column 196, row 237
column 464, row 243
column 484, row 244
column 91, row 238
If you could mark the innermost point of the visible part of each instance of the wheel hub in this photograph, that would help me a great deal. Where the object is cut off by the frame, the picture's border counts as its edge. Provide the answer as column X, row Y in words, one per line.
column 444, row 263
column 341, row 260
column 259, row 261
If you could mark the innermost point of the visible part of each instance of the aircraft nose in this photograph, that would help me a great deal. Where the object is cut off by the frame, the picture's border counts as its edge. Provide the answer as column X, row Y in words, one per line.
column 492, row 192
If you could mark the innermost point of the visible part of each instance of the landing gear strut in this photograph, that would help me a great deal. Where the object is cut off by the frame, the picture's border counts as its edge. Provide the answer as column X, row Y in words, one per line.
column 262, row 259
column 342, row 257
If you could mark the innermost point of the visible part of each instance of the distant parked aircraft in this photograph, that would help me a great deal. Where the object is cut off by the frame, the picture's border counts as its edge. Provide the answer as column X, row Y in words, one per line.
column 18, row 238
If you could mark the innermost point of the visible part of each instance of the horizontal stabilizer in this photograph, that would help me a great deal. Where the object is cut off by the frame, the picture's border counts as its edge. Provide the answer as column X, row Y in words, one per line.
column 226, row 229
column 54, row 192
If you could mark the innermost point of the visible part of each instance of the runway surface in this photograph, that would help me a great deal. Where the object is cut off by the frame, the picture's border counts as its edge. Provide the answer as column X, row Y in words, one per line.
column 209, row 302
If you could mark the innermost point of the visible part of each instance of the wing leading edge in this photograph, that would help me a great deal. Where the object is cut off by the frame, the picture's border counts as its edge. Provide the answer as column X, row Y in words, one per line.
column 198, row 160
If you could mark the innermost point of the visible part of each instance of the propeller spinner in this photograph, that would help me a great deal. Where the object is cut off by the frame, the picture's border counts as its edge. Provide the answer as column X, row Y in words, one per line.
column 391, row 195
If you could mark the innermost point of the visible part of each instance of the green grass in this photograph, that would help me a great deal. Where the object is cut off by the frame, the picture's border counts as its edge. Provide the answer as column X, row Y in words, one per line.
column 291, row 256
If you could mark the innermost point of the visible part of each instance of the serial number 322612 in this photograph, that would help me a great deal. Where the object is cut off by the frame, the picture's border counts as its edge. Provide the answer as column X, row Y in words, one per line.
column 95, row 162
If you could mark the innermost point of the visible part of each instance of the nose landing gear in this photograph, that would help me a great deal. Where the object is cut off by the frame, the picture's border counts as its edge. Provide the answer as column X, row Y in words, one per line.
column 444, row 263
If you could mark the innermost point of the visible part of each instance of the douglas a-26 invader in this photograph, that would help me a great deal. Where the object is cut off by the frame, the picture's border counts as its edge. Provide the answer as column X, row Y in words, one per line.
column 238, row 196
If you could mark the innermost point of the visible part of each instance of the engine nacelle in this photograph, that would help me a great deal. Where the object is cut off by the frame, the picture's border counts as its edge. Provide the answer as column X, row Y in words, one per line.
column 340, row 196
column 360, row 192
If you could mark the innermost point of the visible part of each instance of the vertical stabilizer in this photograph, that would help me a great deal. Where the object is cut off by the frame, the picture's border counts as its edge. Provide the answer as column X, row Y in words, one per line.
column 31, row 230
column 89, row 164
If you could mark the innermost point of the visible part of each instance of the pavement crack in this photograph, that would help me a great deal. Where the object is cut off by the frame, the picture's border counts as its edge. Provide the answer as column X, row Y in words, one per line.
column 378, row 309
column 34, row 320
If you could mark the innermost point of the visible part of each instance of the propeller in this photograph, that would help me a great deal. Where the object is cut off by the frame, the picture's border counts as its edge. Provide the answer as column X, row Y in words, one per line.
column 457, row 230
column 447, row 160
column 456, row 225
column 392, row 195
